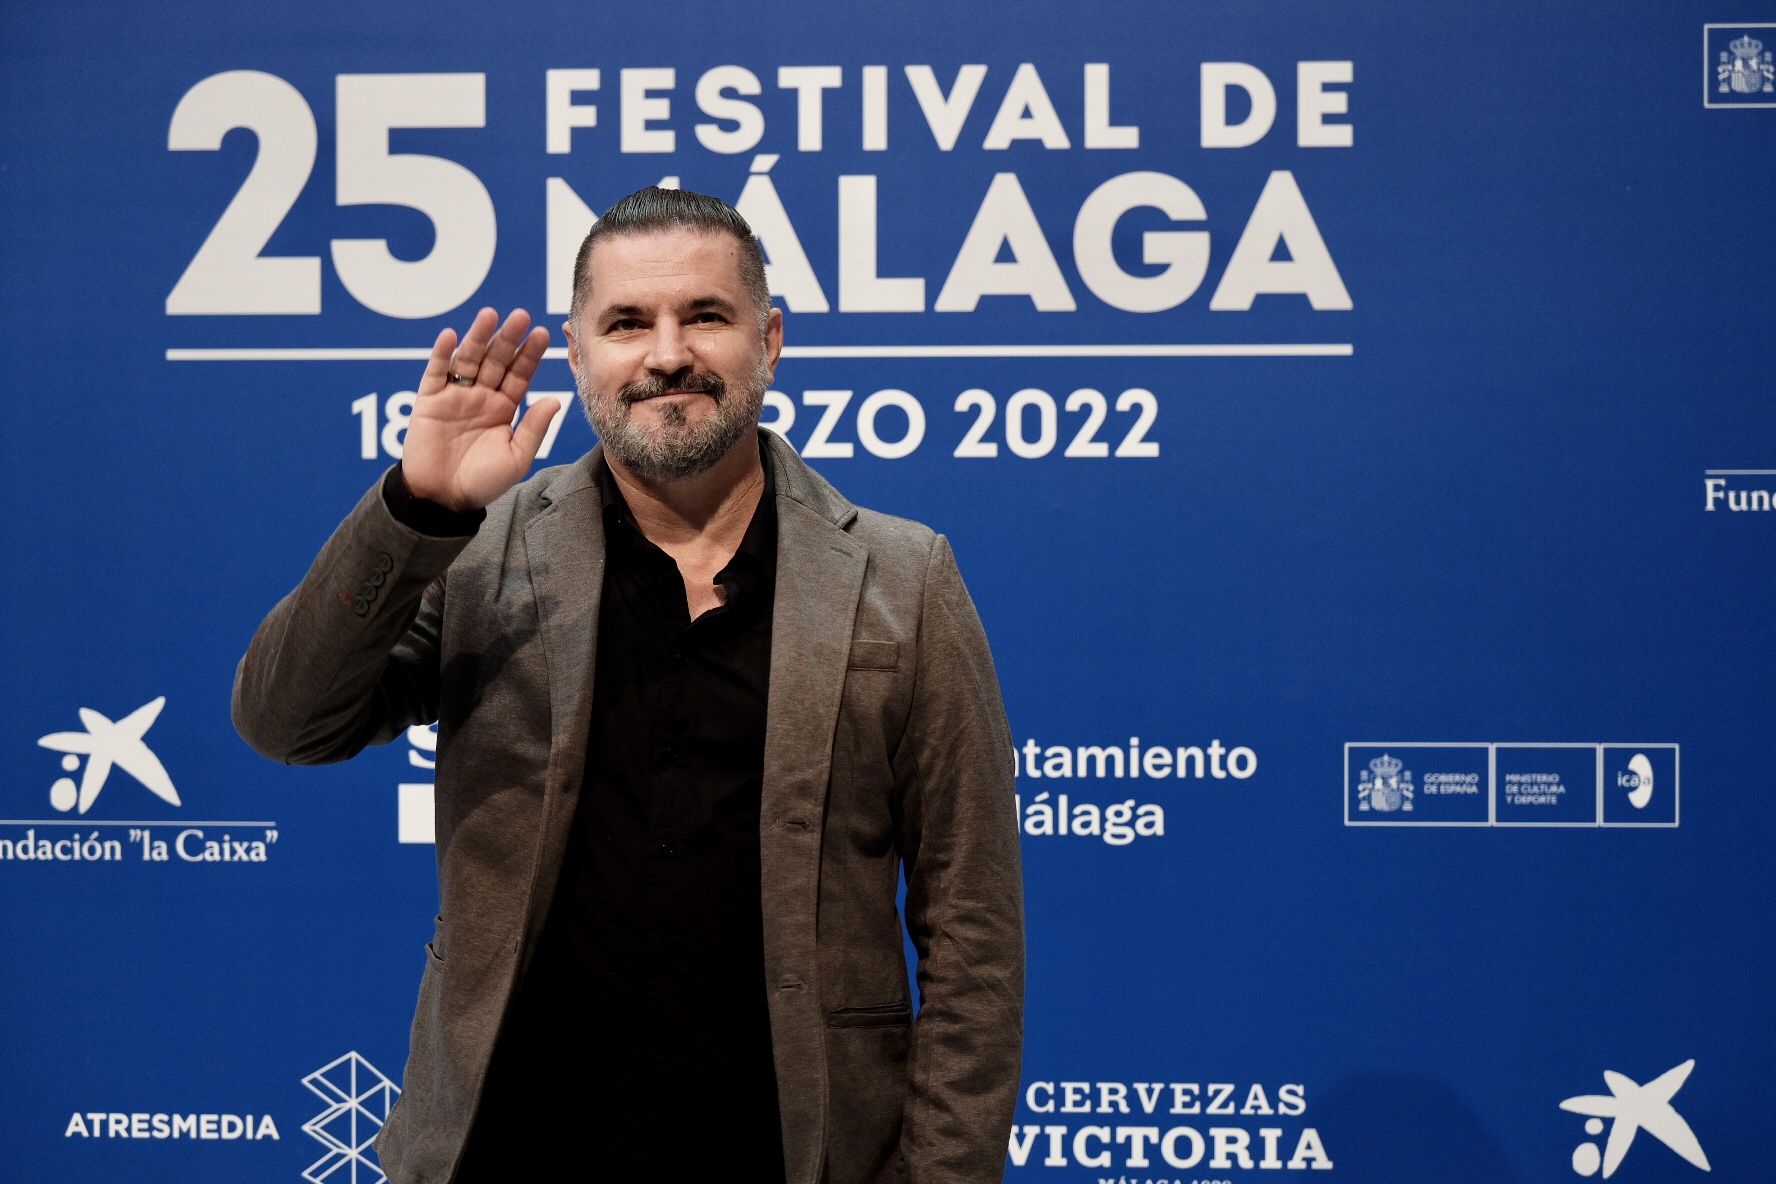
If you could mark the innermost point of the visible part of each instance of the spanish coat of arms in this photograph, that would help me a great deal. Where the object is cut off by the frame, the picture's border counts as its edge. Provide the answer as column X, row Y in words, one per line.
column 1385, row 786
column 1750, row 69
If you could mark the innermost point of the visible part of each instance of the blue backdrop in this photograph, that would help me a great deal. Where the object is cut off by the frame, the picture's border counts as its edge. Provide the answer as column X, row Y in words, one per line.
column 1372, row 402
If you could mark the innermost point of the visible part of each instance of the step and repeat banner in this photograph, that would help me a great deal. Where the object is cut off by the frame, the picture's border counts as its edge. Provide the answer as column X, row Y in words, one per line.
column 1356, row 424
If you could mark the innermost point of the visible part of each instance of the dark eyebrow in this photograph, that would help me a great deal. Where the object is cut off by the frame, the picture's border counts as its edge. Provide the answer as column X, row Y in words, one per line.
column 618, row 312
column 708, row 303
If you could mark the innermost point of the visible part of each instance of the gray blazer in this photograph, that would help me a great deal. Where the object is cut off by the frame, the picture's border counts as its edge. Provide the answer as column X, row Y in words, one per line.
column 885, row 744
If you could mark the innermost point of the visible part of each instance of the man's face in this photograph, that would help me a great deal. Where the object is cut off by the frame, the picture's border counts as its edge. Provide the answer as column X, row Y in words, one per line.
column 667, row 353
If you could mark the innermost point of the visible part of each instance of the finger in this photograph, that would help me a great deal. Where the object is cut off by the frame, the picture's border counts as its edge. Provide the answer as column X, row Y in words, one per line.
column 528, row 437
column 530, row 355
column 501, row 349
column 510, row 336
column 437, row 369
column 467, row 359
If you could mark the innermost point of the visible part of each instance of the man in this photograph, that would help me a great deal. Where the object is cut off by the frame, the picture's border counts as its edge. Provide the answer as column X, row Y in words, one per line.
column 695, row 710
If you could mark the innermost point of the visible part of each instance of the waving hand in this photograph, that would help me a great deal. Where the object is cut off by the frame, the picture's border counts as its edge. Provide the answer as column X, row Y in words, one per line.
column 461, row 448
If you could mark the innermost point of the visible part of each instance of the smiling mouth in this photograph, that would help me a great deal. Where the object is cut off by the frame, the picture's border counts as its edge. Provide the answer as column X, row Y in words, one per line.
column 657, row 388
column 668, row 395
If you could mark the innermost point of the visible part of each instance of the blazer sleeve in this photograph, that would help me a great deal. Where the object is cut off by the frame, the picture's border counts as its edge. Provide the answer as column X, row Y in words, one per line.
column 350, row 656
column 964, row 905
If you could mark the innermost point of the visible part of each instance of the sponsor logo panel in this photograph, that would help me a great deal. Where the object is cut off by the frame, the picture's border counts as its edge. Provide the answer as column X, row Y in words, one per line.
column 1113, row 792
column 1545, row 784
column 1156, row 1127
column 1425, row 784
column 114, row 754
column 1498, row 783
column 357, row 1098
column 1640, row 785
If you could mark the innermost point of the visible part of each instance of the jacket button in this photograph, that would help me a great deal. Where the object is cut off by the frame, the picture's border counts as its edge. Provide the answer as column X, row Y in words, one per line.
column 377, row 576
column 360, row 606
column 384, row 562
column 367, row 591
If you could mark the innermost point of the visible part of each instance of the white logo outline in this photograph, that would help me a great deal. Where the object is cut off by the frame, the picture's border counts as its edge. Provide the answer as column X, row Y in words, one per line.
column 359, row 1099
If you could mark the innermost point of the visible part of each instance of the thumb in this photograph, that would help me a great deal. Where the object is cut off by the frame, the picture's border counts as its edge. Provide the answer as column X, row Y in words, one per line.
column 529, row 434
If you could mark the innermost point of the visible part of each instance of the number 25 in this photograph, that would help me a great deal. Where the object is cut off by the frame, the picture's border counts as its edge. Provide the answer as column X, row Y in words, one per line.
column 229, row 276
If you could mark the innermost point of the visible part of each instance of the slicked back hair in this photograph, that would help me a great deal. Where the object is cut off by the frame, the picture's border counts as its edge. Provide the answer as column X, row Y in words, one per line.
column 653, row 209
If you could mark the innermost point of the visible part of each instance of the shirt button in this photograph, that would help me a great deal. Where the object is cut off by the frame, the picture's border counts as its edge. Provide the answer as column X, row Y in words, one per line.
column 665, row 850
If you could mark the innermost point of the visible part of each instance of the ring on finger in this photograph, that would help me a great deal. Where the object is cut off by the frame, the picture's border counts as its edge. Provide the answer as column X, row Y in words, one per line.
column 459, row 380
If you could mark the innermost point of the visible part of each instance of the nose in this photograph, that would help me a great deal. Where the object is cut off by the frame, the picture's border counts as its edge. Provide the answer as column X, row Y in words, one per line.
column 669, row 350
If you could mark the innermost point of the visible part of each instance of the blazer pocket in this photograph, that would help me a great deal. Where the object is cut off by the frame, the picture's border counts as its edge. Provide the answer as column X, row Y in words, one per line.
column 882, row 1015
column 875, row 655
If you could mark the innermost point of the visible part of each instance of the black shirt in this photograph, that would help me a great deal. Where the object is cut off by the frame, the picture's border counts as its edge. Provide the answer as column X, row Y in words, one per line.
column 639, row 1039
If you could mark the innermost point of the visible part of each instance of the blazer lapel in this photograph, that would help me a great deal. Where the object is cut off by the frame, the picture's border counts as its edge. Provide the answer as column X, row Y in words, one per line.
column 564, row 548
column 819, row 578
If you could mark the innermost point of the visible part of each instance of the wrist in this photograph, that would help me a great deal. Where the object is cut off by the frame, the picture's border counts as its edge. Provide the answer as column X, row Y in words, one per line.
column 406, row 488
column 423, row 514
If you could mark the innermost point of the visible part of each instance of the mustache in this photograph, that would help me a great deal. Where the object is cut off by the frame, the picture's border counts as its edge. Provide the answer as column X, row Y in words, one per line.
column 682, row 380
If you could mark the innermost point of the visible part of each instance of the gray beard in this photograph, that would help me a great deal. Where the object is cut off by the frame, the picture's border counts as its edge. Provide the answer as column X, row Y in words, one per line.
column 677, row 448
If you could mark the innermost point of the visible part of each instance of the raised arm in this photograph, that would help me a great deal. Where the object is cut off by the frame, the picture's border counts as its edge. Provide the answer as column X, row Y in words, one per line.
column 350, row 656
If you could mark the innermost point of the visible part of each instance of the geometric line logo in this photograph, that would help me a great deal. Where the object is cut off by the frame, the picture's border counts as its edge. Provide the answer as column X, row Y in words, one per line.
column 1633, row 1108
column 358, row 1099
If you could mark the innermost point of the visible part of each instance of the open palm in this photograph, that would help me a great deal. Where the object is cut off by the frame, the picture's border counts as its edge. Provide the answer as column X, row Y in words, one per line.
column 461, row 449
